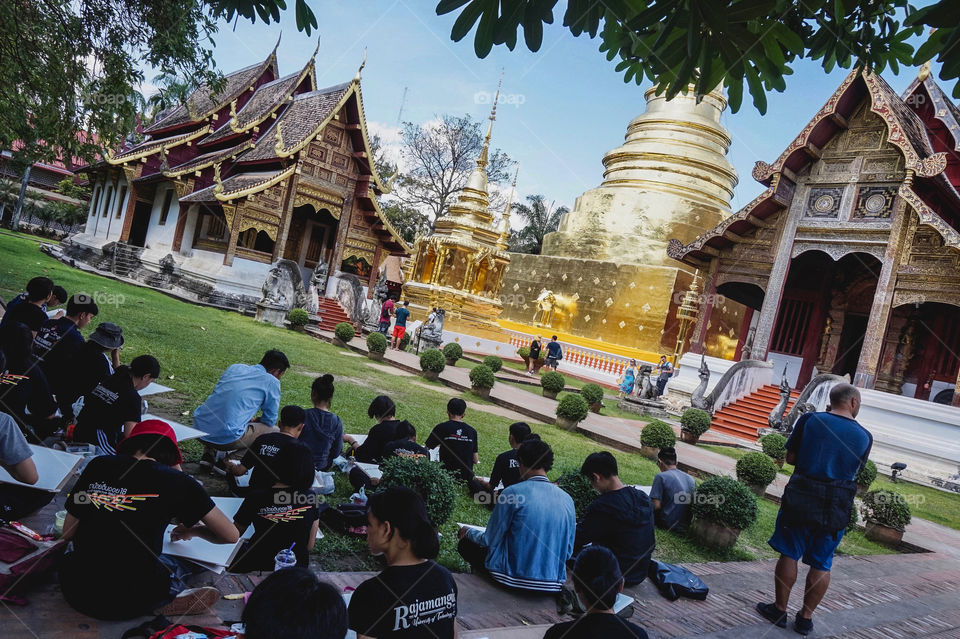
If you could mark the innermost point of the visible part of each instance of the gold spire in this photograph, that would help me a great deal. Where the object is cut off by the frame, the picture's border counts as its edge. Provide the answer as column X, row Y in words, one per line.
column 483, row 159
column 316, row 49
column 505, row 221
column 363, row 63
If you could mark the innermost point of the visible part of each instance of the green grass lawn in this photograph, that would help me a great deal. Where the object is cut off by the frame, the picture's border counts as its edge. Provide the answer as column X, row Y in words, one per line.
column 195, row 344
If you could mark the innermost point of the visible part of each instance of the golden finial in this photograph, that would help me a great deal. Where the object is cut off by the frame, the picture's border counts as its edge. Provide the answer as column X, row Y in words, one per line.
column 218, row 186
column 482, row 160
column 363, row 63
column 316, row 49
column 277, row 45
column 388, row 187
column 924, row 72
column 278, row 147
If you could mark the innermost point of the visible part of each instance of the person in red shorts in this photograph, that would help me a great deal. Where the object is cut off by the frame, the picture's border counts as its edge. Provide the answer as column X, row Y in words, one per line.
column 400, row 325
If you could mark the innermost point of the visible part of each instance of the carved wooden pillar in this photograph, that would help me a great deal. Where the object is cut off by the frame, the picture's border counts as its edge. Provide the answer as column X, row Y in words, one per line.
column 234, row 232
column 181, row 188
column 286, row 216
column 699, row 335
column 131, row 174
column 866, row 374
column 372, row 280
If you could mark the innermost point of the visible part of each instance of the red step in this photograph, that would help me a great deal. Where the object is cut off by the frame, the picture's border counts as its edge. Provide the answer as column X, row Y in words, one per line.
column 744, row 417
column 331, row 314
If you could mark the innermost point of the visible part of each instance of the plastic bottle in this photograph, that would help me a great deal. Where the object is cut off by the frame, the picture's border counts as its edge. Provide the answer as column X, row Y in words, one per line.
column 284, row 559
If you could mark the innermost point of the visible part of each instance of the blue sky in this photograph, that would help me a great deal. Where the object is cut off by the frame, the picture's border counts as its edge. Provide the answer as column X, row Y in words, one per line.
column 561, row 108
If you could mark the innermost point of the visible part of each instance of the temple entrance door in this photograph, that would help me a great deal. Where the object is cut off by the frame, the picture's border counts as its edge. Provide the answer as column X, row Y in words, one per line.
column 141, row 222
column 937, row 364
column 851, row 343
column 314, row 249
column 797, row 331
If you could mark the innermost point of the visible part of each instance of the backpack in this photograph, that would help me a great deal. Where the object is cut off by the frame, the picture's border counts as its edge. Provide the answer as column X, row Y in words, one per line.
column 161, row 628
column 674, row 582
column 349, row 519
column 23, row 560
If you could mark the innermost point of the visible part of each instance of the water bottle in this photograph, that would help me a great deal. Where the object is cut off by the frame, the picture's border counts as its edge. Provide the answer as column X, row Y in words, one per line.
column 284, row 559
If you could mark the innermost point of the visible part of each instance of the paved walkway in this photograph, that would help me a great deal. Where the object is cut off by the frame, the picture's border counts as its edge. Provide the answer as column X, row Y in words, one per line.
column 624, row 434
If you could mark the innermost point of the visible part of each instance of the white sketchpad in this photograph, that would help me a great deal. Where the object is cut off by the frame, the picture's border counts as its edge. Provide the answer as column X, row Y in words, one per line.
column 215, row 557
column 182, row 432
column 482, row 529
column 155, row 389
column 243, row 480
column 371, row 469
column 53, row 466
column 358, row 438
column 646, row 489
column 622, row 602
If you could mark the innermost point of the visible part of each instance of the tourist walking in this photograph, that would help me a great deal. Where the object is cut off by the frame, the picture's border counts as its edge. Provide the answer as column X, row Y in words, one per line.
column 554, row 353
column 628, row 379
column 535, row 348
column 827, row 451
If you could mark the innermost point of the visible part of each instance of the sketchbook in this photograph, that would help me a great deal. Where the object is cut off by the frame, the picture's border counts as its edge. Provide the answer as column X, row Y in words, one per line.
column 214, row 557
column 53, row 466
column 154, row 388
column 182, row 432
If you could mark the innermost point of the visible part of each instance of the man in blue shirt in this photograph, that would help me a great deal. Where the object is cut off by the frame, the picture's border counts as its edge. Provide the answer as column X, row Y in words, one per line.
column 531, row 532
column 827, row 450
column 400, row 325
column 227, row 416
column 554, row 353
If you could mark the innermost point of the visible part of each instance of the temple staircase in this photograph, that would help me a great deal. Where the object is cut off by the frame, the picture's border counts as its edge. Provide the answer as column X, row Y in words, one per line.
column 744, row 417
column 331, row 314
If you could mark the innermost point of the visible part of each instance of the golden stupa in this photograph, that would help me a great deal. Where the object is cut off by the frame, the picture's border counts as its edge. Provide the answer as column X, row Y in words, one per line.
column 460, row 266
column 603, row 279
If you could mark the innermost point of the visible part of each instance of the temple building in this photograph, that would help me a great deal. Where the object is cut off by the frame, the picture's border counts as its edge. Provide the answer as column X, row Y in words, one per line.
column 272, row 167
column 604, row 280
column 460, row 266
column 849, row 261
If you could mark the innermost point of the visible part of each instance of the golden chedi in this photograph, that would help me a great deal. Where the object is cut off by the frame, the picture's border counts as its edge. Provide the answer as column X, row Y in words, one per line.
column 604, row 278
column 460, row 266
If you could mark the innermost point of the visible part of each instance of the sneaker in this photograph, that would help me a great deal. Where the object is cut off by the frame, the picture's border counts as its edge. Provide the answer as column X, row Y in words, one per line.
column 220, row 467
column 773, row 614
column 193, row 601
column 209, row 458
column 803, row 626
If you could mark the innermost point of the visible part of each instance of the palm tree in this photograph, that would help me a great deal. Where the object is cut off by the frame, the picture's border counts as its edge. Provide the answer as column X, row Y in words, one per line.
column 541, row 218
column 172, row 90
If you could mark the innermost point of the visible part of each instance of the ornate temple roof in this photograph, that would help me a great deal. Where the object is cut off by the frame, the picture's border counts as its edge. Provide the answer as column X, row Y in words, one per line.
column 905, row 130
column 208, row 159
column 149, row 147
column 238, row 186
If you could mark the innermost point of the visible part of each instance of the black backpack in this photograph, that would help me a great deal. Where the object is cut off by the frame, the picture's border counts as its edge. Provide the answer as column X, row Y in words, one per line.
column 676, row 581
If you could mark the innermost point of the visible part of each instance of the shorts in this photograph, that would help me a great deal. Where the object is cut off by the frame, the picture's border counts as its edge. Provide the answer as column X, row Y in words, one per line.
column 814, row 545
column 551, row 362
column 398, row 331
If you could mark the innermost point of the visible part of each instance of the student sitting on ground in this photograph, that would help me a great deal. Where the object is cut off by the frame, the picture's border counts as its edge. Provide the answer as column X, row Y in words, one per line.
column 91, row 364
column 30, row 307
column 531, row 531
column 322, row 430
column 112, row 409
column 16, row 457
column 227, row 415
column 458, row 443
column 405, row 445
column 620, row 519
column 414, row 596
column 58, row 343
column 506, row 468
column 294, row 604
column 672, row 493
column 285, row 512
column 597, row 582
column 117, row 514
column 58, row 298
column 264, row 458
column 382, row 433
column 25, row 393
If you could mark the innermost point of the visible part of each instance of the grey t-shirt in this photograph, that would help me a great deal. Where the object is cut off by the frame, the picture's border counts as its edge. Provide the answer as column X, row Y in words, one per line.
column 674, row 489
column 13, row 445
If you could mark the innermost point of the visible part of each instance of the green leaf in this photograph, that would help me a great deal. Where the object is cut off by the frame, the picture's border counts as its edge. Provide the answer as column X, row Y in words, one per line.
column 483, row 40
column 756, row 90
column 446, row 6
column 467, row 19
column 532, row 28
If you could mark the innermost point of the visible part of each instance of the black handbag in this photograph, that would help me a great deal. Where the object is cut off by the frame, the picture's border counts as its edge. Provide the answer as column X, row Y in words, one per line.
column 674, row 582
column 819, row 503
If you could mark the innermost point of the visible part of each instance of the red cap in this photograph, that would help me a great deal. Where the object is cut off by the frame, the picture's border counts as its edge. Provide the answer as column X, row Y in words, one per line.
column 157, row 427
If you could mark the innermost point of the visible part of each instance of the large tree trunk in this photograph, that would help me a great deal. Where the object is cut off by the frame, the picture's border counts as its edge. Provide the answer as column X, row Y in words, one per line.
column 15, row 222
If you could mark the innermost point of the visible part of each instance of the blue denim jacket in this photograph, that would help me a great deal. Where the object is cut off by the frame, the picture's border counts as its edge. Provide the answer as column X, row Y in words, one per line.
column 530, row 536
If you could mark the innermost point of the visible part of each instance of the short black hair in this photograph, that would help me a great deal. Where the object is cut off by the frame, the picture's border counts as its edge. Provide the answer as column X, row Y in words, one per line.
column 407, row 514
column 597, row 577
column 60, row 294
column 381, row 406
column 39, row 288
column 668, row 456
column 602, row 463
column 274, row 359
column 293, row 604
column 405, row 430
column 519, row 431
column 81, row 303
column 535, row 454
column 457, row 406
column 322, row 388
column 159, row 447
column 292, row 416
column 406, row 302
column 554, row 337
column 145, row 365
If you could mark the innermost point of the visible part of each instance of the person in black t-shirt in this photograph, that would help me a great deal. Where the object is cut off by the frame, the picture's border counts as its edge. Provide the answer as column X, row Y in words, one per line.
column 383, row 432
column 59, row 340
column 414, row 597
column 117, row 514
column 405, row 445
column 294, row 604
column 112, row 408
column 265, row 459
column 506, row 468
column 620, row 519
column 30, row 308
column 93, row 362
column 597, row 582
column 283, row 514
column 457, row 441
column 535, row 348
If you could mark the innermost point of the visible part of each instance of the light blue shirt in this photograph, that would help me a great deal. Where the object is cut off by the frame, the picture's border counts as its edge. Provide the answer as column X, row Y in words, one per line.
column 240, row 392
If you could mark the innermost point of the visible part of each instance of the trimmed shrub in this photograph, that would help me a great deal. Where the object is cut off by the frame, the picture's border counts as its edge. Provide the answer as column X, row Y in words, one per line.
column 774, row 446
column 523, row 352
column 572, row 406
column 298, row 317
column 886, row 508
column 405, row 342
column 191, row 450
column 430, row 480
column 493, row 362
column 757, row 469
column 591, row 393
column 854, row 520
column 433, row 360
column 553, row 382
column 658, row 434
column 481, row 377
column 696, row 421
column 343, row 331
column 725, row 501
column 575, row 484
column 376, row 343
column 867, row 475
column 453, row 351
